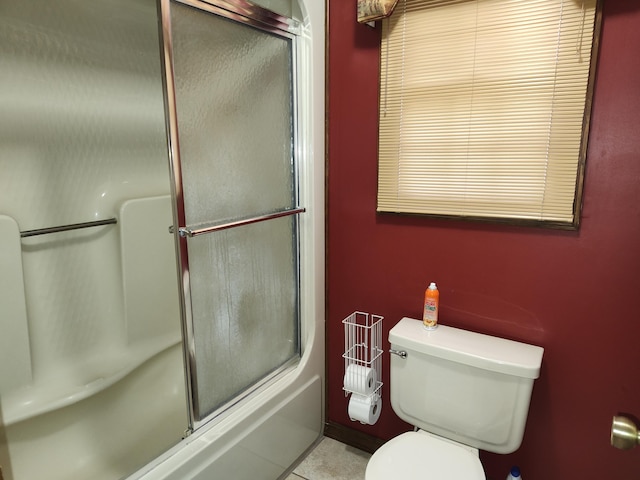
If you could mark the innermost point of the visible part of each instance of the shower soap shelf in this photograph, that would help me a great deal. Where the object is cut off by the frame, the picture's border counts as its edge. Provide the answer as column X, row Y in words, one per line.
column 363, row 354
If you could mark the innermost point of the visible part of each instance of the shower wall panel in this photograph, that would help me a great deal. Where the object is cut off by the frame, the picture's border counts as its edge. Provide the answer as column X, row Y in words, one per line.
column 82, row 138
column 81, row 131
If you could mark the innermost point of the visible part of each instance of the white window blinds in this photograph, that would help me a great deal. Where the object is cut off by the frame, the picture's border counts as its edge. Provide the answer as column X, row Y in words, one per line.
column 483, row 108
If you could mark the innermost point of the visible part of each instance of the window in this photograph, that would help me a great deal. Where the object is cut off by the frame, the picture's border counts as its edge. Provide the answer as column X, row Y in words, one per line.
column 484, row 109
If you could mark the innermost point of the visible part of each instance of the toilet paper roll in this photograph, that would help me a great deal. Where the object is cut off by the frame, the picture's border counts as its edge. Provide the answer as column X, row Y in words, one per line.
column 365, row 409
column 360, row 379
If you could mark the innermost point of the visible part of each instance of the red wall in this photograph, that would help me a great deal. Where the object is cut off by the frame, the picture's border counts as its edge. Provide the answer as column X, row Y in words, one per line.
column 574, row 293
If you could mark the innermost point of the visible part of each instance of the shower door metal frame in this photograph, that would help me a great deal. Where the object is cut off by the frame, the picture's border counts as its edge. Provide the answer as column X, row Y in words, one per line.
column 258, row 17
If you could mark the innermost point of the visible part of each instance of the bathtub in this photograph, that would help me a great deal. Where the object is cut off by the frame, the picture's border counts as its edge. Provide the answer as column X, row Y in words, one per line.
column 261, row 439
column 123, row 426
column 92, row 386
column 124, row 409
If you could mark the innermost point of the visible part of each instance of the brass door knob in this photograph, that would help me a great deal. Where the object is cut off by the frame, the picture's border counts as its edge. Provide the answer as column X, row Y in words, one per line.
column 624, row 433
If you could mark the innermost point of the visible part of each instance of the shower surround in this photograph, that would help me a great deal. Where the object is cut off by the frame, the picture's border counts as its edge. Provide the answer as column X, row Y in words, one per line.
column 92, row 380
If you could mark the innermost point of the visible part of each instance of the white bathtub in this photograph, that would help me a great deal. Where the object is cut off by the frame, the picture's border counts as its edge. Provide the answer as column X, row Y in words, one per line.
column 92, row 382
column 108, row 434
column 261, row 439
column 114, row 411
column 126, row 426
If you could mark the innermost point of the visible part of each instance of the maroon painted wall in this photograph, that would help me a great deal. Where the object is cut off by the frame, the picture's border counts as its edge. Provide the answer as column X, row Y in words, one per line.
column 574, row 293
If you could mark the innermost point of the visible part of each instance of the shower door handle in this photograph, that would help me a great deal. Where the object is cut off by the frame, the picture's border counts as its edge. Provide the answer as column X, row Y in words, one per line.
column 194, row 232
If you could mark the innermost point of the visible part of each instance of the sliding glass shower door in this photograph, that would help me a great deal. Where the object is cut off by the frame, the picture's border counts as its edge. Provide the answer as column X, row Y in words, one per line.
column 230, row 100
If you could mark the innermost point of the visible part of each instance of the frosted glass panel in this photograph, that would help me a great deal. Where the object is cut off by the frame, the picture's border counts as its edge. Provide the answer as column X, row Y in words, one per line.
column 234, row 104
column 243, row 291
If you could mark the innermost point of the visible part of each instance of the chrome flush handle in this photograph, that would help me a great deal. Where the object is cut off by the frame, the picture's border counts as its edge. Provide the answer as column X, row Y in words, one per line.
column 400, row 353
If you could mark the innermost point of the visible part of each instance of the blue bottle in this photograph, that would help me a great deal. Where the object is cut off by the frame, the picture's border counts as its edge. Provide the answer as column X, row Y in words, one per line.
column 514, row 474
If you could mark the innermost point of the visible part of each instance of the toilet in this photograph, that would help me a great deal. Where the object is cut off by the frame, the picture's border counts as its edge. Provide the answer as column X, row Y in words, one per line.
column 463, row 391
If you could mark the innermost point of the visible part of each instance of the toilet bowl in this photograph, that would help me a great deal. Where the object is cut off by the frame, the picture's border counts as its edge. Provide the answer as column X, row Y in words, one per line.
column 424, row 456
column 464, row 391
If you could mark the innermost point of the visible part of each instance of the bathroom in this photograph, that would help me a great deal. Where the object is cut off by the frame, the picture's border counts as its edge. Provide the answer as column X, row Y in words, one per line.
column 571, row 292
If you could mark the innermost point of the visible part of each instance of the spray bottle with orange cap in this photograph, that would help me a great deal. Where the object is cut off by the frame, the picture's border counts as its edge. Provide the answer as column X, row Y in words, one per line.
column 431, row 301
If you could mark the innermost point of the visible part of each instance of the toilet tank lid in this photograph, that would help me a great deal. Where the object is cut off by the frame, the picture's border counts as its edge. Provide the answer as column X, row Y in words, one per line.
column 469, row 348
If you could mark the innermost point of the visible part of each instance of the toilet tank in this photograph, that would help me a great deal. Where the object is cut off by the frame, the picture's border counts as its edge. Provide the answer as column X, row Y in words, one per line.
column 469, row 387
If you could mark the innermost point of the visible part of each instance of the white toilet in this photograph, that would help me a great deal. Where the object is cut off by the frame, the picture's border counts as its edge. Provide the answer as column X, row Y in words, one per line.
column 464, row 391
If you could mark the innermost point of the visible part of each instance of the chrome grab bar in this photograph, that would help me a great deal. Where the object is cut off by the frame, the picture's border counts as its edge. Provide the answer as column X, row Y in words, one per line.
column 64, row 228
column 194, row 232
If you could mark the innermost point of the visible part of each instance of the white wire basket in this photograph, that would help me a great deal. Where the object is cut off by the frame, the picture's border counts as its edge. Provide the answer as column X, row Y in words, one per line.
column 362, row 354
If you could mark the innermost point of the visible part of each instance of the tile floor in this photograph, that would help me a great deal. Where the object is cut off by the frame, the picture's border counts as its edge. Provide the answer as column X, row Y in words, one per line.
column 332, row 460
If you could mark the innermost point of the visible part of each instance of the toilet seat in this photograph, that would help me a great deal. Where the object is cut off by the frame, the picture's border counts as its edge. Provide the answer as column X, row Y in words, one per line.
column 423, row 456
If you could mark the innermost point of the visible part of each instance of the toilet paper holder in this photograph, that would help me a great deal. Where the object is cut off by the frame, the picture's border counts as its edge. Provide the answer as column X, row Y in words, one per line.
column 362, row 354
column 363, row 366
